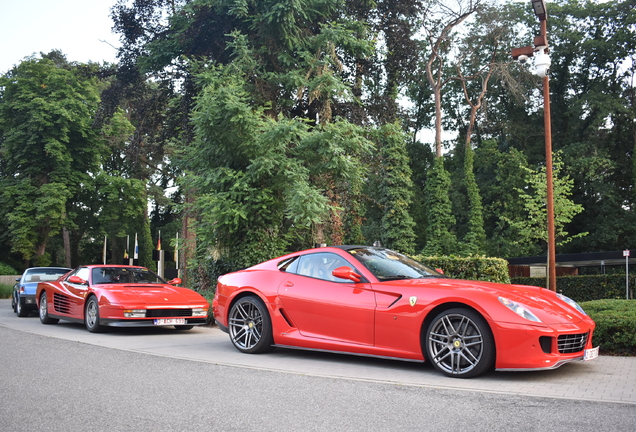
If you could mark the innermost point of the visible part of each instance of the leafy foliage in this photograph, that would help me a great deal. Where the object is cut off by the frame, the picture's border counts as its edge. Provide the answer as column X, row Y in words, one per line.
column 535, row 227
column 395, row 190
column 49, row 148
column 587, row 287
column 469, row 268
column 6, row 269
column 440, row 240
column 266, row 181
column 615, row 325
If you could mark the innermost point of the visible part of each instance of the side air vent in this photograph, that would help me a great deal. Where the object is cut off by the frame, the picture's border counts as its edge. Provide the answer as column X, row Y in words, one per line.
column 61, row 303
column 546, row 344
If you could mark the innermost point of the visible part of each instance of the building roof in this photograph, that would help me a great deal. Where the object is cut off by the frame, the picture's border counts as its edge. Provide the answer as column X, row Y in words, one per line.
column 590, row 259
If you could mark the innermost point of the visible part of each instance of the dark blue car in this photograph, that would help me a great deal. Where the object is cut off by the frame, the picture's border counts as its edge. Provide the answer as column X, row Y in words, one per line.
column 23, row 299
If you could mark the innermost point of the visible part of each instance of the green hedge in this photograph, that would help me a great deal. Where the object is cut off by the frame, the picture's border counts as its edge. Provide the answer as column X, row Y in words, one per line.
column 6, row 269
column 586, row 288
column 6, row 291
column 615, row 325
column 471, row 268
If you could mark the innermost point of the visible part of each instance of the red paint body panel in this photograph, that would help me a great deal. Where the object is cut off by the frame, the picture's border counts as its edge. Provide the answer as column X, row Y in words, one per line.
column 388, row 318
column 67, row 301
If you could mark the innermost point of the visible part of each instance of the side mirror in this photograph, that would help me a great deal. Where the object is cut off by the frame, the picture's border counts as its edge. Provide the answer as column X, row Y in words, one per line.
column 175, row 281
column 439, row 271
column 345, row 272
column 76, row 280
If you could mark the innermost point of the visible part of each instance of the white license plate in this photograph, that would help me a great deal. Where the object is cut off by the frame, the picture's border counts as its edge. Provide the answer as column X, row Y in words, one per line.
column 591, row 354
column 170, row 321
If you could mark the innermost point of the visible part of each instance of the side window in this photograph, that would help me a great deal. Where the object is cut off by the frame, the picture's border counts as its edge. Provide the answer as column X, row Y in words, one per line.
column 81, row 272
column 320, row 266
column 289, row 266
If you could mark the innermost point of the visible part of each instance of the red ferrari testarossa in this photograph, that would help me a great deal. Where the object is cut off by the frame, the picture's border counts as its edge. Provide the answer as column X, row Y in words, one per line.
column 119, row 296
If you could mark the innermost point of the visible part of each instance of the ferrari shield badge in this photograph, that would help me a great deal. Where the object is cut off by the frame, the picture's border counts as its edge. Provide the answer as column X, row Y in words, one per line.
column 413, row 300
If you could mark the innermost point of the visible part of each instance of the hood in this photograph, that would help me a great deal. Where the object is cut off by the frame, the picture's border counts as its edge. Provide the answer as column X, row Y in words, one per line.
column 155, row 295
column 542, row 302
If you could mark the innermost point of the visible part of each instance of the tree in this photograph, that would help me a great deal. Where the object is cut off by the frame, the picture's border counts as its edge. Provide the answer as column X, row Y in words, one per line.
column 271, row 182
column 395, row 189
column 441, row 240
column 535, row 226
column 49, row 148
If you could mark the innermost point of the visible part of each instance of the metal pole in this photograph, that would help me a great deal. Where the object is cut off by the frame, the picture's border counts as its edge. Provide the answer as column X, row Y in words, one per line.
column 548, row 174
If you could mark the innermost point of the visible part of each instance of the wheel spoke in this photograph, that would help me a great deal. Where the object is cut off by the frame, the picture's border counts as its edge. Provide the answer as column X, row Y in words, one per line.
column 246, row 323
column 455, row 344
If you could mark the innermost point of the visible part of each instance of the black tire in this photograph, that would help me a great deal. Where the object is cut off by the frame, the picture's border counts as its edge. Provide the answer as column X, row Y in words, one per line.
column 250, row 326
column 20, row 309
column 13, row 302
column 459, row 343
column 91, row 315
column 183, row 327
column 43, row 311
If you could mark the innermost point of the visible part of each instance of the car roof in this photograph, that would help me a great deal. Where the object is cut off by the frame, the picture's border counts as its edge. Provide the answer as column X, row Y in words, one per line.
column 48, row 268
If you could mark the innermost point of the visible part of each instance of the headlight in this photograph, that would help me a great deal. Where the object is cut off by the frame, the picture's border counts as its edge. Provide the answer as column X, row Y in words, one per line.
column 572, row 303
column 519, row 309
column 199, row 312
column 135, row 313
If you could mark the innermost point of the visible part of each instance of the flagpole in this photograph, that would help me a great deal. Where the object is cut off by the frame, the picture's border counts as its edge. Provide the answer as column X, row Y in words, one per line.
column 104, row 252
column 176, row 255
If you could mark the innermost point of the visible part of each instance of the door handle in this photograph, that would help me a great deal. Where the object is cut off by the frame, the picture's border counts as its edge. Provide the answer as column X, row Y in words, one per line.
column 289, row 284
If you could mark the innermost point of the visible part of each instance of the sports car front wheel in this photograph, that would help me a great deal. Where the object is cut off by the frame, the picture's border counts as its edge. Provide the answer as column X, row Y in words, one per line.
column 250, row 326
column 44, row 311
column 91, row 316
column 459, row 343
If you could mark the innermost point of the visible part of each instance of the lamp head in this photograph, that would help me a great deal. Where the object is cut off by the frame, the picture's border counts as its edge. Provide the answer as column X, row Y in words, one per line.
column 539, row 9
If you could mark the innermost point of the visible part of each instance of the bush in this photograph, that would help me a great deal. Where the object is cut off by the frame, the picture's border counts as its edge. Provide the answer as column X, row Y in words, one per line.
column 471, row 268
column 615, row 325
column 6, row 291
column 586, row 288
column 206, row 273
column 6, row 269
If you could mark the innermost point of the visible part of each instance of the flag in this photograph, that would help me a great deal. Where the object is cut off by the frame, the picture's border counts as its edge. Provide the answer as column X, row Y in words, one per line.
column 159, row 242
column 125, row 254
column 136, row 252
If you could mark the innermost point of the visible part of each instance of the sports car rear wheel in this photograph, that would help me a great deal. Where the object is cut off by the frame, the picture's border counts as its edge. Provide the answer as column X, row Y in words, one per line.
column 459, row 343
column 44, row 311
column 91, row 316
column 250, row 326
column 20, row 310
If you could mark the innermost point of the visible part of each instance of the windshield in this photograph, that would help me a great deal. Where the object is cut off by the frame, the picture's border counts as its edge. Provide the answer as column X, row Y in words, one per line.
column 43, row 275
column 388, row 265
column 124, row 275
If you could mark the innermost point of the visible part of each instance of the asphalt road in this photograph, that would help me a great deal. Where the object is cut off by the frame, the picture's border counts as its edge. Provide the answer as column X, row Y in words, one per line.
column 62, row 378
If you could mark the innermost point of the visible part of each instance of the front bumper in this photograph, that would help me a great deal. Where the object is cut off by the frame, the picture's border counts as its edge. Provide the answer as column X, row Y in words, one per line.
column 541, row 347
column 148, row 322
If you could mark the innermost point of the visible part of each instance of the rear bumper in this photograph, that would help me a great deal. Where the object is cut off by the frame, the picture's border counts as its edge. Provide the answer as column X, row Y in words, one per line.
column 27, row 301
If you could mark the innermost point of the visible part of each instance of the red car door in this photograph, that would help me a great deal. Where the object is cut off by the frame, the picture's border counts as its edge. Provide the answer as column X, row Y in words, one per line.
column 73, row 303
column 323, row 306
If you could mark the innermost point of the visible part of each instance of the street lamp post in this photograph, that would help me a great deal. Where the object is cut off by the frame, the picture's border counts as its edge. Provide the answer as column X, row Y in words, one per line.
column 542, row 63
